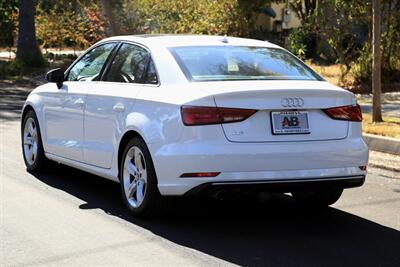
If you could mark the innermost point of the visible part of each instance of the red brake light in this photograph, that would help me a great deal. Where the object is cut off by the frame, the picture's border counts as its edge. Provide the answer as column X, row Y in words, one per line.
column 194, row 115
column 347, row 113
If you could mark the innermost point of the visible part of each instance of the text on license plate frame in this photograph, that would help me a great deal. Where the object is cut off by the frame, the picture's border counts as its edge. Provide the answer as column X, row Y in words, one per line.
column 278, row 116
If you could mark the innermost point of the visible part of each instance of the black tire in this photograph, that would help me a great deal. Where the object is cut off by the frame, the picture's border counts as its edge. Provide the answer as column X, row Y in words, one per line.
column 153, row 204
column 320, row 198
column 40, row 159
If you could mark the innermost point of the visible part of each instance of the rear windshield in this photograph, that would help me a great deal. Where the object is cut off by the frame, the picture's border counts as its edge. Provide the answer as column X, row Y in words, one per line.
column 223, row 63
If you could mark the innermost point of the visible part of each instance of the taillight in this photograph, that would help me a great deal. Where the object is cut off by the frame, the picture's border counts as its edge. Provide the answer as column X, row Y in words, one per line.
column 347, row 113
column 195, row 115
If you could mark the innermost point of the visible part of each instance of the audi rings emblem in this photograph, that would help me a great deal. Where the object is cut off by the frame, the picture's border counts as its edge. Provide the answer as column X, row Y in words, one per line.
column 292, row 102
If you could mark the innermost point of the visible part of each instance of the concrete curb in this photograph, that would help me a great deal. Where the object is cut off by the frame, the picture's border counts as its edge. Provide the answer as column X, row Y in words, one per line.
column 382, row 144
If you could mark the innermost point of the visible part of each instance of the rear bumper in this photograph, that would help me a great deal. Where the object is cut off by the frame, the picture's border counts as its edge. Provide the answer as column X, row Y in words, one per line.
column 256, row 162
column 282, row 186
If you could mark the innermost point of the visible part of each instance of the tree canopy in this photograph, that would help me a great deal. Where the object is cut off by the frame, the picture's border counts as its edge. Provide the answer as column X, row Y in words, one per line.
column 337, row 30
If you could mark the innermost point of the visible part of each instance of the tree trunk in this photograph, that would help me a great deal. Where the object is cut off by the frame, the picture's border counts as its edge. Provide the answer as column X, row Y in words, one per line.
column 28, row 50
column 376, row 64
column 109, row 14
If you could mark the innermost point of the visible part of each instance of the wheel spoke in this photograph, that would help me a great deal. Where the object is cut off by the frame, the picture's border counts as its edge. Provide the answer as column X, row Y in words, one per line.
column 30, row 155
column 131, row 153
column 31, row 129
column 28, row 140
column 138, row 161
column 144, row 176
column 132, row 189
column 140, row 192
column 131, row 169
column 34, row 148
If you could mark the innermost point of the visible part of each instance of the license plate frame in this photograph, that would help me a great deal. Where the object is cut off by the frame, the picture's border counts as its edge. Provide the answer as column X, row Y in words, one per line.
column 278, row 128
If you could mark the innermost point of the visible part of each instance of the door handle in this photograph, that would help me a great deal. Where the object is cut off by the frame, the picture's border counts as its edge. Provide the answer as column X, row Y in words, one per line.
column 119, row 107
column 79, row 102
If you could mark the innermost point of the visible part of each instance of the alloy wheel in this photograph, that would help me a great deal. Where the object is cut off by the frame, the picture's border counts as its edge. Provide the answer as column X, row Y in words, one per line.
column 135, row 176
column 30, row 141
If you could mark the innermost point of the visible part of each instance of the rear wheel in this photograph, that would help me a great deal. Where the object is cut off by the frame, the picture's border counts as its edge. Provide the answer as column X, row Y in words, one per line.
column 32, row 146
column 320, row 198
column 139, row 182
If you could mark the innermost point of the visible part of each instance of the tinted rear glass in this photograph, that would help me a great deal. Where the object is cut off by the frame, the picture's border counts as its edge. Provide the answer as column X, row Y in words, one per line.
column 221, row 63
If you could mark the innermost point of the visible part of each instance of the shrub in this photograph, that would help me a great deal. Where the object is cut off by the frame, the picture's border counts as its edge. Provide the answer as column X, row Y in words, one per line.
column 297, row 42
column 362, row 68
column 185, row 16
column 10, row 68
column 363, row 65
column 67, row 24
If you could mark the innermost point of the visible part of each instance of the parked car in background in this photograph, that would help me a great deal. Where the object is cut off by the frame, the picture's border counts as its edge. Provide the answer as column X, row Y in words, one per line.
column 176, row 115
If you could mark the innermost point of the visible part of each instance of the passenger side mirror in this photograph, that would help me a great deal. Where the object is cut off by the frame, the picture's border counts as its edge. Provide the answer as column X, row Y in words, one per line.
column 55, row 76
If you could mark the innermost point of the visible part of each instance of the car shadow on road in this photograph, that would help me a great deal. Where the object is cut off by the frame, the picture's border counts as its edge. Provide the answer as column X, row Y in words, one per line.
column 276, row 233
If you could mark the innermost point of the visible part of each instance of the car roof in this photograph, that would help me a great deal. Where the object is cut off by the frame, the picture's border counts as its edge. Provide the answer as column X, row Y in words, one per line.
column 173, row 40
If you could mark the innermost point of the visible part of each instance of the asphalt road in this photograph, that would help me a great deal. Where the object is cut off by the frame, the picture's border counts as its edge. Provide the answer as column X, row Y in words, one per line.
column 66, row 217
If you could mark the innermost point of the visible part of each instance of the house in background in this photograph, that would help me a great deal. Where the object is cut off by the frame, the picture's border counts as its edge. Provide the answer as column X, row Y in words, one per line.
column 275, row 21
column 277, row 17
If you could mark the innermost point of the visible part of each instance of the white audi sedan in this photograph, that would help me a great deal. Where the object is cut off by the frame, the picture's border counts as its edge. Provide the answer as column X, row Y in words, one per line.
column 168, row 115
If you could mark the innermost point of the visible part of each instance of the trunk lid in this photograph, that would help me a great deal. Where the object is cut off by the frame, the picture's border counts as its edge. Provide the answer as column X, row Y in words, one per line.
column 275, row 102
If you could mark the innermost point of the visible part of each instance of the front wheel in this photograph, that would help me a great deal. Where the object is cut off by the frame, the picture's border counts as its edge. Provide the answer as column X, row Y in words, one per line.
column 139, row 182
column 319, row 198
column 32, row 146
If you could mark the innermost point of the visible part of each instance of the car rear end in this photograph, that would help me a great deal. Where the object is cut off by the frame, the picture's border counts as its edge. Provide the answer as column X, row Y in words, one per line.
column 261, row 131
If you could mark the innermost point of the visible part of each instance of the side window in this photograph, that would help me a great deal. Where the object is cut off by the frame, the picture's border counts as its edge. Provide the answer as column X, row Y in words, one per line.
column 129, row 65
column 89, row 66
column 151, row 75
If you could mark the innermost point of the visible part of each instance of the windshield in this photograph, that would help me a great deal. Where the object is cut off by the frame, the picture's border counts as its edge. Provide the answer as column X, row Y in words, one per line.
column 222, row 63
